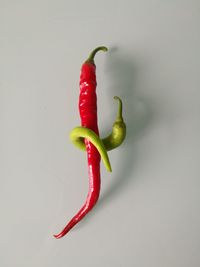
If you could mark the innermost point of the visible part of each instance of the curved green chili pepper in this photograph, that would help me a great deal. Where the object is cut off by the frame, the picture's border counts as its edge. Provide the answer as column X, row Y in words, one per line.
column 77, row 136
column 118, row 133
column 112, row 141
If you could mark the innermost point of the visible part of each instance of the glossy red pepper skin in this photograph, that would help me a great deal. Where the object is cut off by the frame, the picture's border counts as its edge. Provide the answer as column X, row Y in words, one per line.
column 88, row 115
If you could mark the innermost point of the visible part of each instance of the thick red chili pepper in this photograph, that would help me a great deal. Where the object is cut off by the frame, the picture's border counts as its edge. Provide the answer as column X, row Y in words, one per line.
column 88, row 114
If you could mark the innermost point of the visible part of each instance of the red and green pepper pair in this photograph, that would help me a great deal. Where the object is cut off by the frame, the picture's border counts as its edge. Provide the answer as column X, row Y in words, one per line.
column 87, row 138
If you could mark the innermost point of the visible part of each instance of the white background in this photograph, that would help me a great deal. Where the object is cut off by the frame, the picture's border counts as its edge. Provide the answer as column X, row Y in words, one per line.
column 148, row 213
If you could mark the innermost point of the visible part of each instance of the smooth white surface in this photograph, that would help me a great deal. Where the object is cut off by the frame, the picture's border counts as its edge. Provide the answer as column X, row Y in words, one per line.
column 148, row 213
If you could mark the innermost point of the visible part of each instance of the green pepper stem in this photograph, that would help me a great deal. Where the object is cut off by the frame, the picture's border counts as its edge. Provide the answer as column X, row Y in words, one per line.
column 119, row 113
column 93, row 53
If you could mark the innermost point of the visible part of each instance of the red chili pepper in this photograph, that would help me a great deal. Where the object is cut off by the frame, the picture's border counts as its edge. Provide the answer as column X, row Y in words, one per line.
column 88, row 114
column 87, row 136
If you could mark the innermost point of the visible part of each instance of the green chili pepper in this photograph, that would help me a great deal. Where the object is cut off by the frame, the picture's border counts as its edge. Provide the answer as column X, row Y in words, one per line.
column 118, row 134
column 112, row 141
column 77, row 136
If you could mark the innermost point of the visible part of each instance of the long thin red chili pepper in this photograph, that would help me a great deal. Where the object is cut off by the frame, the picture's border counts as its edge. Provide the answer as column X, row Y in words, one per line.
column 88, row 114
